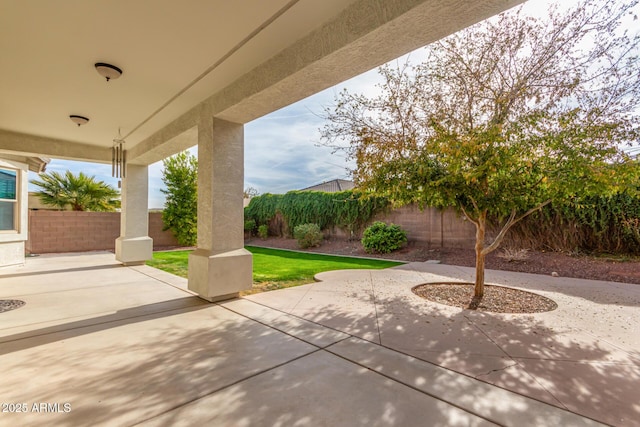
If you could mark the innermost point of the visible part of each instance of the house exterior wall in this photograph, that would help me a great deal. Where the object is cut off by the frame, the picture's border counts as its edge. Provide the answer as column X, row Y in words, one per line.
column 12, row 242
column 62, row 231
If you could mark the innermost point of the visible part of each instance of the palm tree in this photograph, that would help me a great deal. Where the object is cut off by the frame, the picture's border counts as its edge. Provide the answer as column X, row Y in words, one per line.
column 81, row 192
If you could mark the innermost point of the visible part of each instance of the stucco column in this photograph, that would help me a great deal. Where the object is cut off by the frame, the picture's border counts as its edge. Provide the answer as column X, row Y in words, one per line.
column 220, row 267
column 134, row 246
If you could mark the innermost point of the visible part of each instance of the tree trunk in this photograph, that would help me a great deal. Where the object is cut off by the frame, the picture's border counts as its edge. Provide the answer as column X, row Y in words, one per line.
column 480, row 232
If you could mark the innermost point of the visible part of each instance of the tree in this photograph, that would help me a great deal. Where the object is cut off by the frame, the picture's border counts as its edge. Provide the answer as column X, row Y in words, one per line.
column 81, row 192
column 250, row 192
column 180, row 214
column 501, row 118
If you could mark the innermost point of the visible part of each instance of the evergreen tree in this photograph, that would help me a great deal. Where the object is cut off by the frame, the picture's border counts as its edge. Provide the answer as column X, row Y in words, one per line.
column 180, row 214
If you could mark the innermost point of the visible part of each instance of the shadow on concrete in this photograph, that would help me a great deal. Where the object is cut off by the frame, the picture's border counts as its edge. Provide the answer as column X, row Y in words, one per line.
column 521, row 353
column 47, row 335
column 62, row 270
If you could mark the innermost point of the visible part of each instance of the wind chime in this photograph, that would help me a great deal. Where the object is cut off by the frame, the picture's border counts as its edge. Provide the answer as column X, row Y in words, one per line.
column 118, row 159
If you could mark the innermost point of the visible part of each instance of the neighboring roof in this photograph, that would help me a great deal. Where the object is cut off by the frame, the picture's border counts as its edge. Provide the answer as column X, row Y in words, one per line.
column 332, row 186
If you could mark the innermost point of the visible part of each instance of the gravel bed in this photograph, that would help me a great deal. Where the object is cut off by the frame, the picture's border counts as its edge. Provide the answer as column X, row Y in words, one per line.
column 497, row 299
column 10, row 304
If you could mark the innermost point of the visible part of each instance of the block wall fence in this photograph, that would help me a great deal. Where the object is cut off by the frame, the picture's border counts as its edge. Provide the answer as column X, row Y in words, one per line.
column 430, row 227
column 433, row 227
column 68, row 231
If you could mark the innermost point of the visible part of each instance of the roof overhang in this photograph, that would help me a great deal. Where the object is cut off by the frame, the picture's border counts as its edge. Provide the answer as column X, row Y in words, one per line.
column 233, row 60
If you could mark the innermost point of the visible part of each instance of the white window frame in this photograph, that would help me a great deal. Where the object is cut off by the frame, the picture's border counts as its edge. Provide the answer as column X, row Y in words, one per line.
column 16, row 204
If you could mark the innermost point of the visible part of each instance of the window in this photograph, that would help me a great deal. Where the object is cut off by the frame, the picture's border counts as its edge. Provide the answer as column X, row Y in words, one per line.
column 8, row 201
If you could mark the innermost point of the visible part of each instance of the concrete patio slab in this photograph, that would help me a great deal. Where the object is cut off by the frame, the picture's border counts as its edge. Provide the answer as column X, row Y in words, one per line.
column 596, row 325
column 311, row 391
column 304, row 330
column 498, row 405
column 102, row 344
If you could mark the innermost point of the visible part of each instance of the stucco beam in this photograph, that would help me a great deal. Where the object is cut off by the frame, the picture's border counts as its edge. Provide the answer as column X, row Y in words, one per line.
column 368, row 33
column 180, row 134
column 38, row 146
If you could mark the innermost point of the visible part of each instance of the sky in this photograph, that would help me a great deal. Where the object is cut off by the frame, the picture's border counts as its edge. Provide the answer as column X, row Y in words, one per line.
column 282, row 149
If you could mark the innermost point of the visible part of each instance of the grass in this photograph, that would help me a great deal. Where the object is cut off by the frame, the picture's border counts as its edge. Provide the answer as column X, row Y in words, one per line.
column 276, row 269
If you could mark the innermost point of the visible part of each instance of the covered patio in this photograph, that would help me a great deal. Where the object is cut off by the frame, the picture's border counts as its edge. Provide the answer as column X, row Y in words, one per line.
column 103, row 344
column 131, row 83
column 106, row 340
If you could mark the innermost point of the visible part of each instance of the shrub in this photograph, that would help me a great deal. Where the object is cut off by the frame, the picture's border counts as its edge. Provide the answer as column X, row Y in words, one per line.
column 382, row 238
column 249, row 226
column 514, row 254
column 308, row 235
column 263, row 231
column 348, row 210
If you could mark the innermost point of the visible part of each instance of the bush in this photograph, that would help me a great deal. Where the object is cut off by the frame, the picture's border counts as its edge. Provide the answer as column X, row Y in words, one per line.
column 348, row 210
column 249, row 226
column 382, row 238
column 263, row 231
column 180, row 214
column 308, row 235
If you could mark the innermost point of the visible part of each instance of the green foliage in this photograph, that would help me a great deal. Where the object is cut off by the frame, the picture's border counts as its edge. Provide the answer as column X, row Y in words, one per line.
column 81, row 192
column 349, row 210
column 180, row 214
column 249, row 226
column 263, row 231
column 263, row 208
column 605, row 223
column 308, row 235
column 502, row 118
column 381, row 238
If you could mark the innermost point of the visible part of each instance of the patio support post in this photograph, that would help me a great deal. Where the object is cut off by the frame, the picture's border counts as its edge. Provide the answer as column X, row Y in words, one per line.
column 220, row 267
column 134, row 246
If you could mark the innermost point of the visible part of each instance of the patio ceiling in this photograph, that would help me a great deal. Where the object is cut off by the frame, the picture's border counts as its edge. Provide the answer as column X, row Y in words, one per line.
column 234, row 60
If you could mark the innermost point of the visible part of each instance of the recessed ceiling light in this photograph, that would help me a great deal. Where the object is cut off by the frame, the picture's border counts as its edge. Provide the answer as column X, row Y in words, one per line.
column 79, row 120
column 108, row 71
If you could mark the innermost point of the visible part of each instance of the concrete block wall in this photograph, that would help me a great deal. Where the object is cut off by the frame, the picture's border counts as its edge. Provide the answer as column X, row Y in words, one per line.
column 67, row 231
column 432, row 227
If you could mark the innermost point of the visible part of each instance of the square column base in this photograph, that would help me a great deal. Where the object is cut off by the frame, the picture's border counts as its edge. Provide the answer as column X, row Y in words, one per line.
column 135, row 250
column 216, row 277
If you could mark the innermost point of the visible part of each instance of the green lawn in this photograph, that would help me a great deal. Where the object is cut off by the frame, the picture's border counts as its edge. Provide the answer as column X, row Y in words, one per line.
column 276, row 269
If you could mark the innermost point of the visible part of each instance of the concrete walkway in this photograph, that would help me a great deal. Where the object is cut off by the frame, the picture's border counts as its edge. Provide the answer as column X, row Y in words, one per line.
column 101, row 344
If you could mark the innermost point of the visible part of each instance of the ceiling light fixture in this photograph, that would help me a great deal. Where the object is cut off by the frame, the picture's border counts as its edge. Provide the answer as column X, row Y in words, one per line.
column 108, row 71
column 79, row 120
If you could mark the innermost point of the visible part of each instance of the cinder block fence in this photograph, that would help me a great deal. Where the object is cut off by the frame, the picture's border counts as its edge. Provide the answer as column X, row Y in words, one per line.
column 67, row 231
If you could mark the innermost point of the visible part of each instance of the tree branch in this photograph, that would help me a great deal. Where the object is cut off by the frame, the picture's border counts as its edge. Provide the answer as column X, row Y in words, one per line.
column 510, row 222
